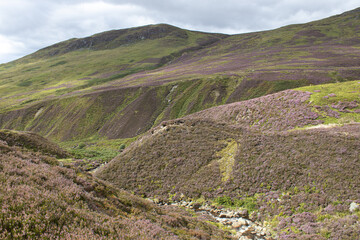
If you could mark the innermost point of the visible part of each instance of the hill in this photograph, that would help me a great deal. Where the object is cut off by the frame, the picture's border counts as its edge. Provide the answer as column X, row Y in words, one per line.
column 81, row 63
column 102, row 82
column 42, row 200
column 286, row 157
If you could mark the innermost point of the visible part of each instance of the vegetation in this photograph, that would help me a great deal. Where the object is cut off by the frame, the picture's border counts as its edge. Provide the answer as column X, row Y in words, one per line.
column 42, row 200
column 82, row 63
column 144, row 107
column 337, row 103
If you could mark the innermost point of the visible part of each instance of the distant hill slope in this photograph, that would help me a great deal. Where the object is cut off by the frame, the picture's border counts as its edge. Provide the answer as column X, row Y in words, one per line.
column 82, row 63
column 97, row 86
column 42, row 200
column 294, row 55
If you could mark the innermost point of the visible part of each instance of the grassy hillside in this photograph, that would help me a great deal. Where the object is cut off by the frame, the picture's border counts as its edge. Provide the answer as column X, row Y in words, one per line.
column 118, row 113
column 81, row 63
column 244, row 121
column 42, row 200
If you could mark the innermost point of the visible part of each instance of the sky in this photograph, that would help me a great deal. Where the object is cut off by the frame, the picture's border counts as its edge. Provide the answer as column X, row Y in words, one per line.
column 29, row 25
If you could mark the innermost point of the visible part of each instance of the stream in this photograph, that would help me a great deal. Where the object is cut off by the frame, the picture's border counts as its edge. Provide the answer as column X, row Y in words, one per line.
column 238, row 220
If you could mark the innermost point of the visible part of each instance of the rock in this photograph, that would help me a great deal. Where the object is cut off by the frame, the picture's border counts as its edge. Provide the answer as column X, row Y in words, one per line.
column 354, row 206
column 196, row 206
column 249, row 233
column 239, row 223
column 215, row 212
column 244, row 238
column 205, row 208
column 244, row 213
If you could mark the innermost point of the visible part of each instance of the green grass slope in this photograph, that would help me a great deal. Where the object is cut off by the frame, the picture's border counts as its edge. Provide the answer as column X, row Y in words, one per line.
column 118, row 113
column 81, row 63
column 42, row 200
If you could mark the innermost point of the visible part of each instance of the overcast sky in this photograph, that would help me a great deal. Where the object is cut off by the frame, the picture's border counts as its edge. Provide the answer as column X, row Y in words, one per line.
column 28, row 25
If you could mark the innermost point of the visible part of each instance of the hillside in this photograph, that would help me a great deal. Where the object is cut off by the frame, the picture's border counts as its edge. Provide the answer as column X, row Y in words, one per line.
column 291, row 112
column 102, row 82
column 291, row 158
column 42, row 200
column 331, row 103
column 81, row 63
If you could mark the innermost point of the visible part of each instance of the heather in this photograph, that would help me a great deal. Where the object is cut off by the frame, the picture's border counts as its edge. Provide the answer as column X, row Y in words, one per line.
column 275, row 175
column 192, row 155
column 322, row 104
column 280, row 111
column 264, row 122
column 42, row 200
column 33, row 142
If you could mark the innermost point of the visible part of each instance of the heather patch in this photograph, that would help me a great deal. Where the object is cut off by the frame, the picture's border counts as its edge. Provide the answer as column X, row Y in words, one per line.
column 280, row 111
column 274, row 174
column 41, row 200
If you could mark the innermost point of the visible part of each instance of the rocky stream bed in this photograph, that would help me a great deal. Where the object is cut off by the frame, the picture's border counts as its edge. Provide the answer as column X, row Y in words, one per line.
column 237, row 220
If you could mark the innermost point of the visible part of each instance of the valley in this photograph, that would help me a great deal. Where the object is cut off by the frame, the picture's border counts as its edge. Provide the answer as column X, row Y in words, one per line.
column 155, row 132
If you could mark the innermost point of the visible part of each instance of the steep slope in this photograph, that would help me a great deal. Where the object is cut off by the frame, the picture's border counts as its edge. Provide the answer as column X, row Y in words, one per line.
column 33, row 142
column 205, row 158
column 42, row 200
column 110, row 73
column 117, row 113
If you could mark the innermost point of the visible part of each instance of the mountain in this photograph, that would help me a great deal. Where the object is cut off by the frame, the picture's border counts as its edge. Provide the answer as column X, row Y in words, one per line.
column 108, row 77
column 41, row 199
column 78, row 64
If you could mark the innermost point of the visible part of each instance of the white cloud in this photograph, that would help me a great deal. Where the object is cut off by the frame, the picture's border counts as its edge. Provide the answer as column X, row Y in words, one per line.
column 10, row 48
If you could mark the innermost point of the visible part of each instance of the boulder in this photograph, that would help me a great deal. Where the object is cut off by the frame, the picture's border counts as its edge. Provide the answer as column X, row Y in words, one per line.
column 243, row 213
column 354, row 206
column 239, row 223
